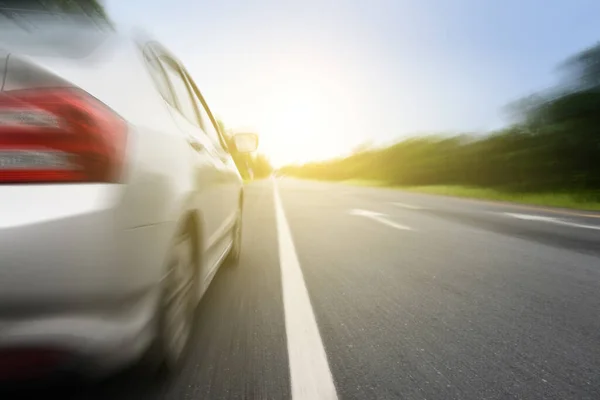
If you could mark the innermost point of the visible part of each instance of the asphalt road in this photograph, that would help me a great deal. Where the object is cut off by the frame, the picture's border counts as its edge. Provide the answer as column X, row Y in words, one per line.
column 361, row 293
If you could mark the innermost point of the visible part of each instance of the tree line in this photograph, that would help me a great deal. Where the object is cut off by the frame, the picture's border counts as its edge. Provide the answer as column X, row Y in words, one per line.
column 553, row 145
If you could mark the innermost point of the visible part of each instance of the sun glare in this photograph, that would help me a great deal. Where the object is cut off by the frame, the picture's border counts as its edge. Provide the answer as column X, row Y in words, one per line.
column 303, row 110
column 296, row 128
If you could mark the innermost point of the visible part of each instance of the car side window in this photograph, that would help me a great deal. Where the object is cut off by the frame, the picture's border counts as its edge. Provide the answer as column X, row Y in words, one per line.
column 207, row 125
column 159, row 77
column 187, row 106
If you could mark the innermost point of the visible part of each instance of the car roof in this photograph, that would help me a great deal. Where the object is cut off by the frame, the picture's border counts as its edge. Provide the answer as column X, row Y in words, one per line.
column 51, row 34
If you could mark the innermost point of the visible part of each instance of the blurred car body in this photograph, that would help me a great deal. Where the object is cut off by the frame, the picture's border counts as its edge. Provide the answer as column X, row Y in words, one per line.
column 119, row 200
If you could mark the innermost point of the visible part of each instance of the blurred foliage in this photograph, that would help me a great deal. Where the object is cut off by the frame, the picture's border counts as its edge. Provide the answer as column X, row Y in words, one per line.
column 261, row 166
column 554, row 145
column 250, row 165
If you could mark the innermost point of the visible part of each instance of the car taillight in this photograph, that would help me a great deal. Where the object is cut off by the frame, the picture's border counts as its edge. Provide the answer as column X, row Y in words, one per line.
column 59, row 135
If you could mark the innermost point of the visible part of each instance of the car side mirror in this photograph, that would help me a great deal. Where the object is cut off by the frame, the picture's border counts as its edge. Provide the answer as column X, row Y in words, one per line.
column 245, row 142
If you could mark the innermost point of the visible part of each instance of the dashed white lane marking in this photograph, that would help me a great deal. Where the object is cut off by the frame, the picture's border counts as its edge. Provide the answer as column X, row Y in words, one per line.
column 408, row 206
column 310, row 375
column 552, row 220
column 379, row 217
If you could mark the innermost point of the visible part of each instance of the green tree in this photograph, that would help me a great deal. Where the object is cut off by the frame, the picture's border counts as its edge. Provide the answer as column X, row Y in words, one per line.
column 583, row 69
column 261, row 166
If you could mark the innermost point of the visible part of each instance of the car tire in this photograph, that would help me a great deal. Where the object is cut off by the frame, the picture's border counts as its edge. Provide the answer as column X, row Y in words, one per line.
column 176, row 310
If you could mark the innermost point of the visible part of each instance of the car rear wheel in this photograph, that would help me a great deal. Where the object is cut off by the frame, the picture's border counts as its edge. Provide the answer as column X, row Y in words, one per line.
column 175, row 319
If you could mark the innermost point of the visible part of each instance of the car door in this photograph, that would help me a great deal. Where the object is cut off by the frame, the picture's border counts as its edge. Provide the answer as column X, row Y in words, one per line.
column 231, row 181
column 207, row 174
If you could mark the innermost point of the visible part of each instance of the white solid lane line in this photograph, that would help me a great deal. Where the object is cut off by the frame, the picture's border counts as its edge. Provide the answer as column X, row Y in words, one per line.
column 379, row 217
column 408, row 206
column 310, row 375
column 552, row 220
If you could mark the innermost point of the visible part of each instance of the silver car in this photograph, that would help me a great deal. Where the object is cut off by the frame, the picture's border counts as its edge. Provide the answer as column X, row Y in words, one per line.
column 119, row 200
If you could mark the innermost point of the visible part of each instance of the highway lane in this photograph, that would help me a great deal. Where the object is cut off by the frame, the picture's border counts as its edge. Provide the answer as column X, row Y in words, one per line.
column 571, row 229
column 473, row 300
column 448, row 309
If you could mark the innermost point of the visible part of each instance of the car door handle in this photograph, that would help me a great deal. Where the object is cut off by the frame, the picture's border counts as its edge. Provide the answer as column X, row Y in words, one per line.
column 196, row 145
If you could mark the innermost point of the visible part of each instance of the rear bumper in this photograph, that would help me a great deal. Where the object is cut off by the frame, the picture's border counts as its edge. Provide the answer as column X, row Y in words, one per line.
column 72, row 278
column 92, row 341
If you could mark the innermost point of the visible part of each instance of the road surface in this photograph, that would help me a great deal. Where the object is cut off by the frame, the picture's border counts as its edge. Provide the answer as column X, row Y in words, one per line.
column 362, row 293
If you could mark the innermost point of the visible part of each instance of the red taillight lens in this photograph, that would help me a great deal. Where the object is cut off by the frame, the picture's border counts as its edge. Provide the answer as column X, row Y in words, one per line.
column 59, row 135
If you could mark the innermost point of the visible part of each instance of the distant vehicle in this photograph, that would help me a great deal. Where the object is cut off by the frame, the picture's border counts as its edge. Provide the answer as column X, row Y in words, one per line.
column 119, row 201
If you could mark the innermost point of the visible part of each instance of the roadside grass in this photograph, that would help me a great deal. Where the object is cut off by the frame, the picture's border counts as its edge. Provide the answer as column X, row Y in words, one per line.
column 579, row 201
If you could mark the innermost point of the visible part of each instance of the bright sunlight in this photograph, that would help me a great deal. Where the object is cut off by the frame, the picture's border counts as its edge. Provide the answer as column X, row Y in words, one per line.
column 301, row 107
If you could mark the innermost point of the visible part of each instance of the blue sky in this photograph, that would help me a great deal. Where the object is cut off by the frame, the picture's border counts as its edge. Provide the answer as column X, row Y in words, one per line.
column 316, row 78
